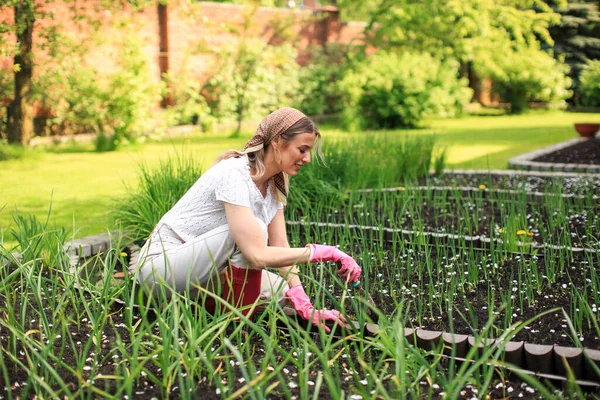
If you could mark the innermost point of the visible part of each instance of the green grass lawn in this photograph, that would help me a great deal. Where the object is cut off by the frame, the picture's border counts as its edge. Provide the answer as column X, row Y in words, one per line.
column 83, row 186
column 476, row 142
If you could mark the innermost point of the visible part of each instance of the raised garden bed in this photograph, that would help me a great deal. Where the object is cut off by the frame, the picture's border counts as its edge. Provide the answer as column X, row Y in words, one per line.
column 425, row 280
column 579, row 155
column 585, row 152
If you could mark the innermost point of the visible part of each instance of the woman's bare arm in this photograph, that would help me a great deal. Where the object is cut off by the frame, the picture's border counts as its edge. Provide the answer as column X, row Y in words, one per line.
column 248, row 236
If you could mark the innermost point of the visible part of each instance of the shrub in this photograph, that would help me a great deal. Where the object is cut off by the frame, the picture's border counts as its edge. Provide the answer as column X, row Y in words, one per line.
column 11, row 151
column 389, row 90
column 117, row 106
column 589, row 84
column 318, row 80
column 189, row 107
column 277, row 82
column 252, row 79
column 157, row 191
column 530, row 75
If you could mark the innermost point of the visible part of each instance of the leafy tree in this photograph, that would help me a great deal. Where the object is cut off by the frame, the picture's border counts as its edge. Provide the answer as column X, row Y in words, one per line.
column 480, row 34
column 252, row 76
column 476, row 31
column 577, row 37
column 590, row 84
column 16, row 39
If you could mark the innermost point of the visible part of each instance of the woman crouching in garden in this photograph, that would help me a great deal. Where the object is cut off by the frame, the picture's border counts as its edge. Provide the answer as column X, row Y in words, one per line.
column 230, row 226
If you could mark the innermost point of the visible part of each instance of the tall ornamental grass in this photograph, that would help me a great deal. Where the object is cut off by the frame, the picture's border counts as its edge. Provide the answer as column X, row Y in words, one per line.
column 158, row 189
column 363, row 161
column 371, row 160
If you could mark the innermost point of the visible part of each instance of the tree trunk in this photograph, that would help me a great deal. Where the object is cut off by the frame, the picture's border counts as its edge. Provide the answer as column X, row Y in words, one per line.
column 239, row 111
column 20, row 111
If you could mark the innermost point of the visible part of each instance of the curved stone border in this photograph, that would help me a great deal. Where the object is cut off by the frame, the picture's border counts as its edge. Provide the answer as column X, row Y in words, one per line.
column 532, row 197
column 517, row 172
column 543, row 361
column 525, row 161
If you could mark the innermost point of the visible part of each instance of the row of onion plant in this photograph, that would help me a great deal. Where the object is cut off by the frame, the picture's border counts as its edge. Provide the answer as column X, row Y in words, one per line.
column 72, row 330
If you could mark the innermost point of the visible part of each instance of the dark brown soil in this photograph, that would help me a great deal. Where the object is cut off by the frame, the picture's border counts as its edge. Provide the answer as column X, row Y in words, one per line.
column 471, row 306
column 538, row 224
column 380, row 282
column 585, row 152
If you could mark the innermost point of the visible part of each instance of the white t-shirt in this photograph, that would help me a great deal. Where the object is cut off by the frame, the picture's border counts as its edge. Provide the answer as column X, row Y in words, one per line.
column 201, row 208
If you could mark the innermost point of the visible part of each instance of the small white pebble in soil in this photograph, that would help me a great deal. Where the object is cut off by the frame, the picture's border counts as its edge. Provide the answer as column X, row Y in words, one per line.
column 293, row 385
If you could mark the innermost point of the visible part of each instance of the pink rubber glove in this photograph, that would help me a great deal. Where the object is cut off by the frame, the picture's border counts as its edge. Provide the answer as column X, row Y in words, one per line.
column 305, row 309
column 349, row 267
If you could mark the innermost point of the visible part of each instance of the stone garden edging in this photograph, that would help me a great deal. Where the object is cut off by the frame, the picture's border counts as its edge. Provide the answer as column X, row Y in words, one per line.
column 518, row 172
column 525, row 161
column 466, row 190
column 542, row 361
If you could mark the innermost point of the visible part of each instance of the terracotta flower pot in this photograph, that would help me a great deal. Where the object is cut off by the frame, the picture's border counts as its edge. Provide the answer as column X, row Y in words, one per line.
column 587, row 129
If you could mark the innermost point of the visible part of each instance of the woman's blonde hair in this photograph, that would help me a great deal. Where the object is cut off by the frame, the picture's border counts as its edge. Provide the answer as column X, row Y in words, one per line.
column 256, row 158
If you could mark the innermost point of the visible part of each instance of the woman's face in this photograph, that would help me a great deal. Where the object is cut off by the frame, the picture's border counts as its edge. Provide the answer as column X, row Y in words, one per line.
column 296, row 153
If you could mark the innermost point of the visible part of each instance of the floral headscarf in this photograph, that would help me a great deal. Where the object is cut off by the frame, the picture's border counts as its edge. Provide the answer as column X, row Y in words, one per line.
column 268, row 130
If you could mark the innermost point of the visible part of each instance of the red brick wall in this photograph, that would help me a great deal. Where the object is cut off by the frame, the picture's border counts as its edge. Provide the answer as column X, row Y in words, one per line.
column 188, row 27
column 61, row 16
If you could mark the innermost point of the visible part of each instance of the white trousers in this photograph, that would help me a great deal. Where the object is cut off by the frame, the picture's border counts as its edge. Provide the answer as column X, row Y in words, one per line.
column 168, row 263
